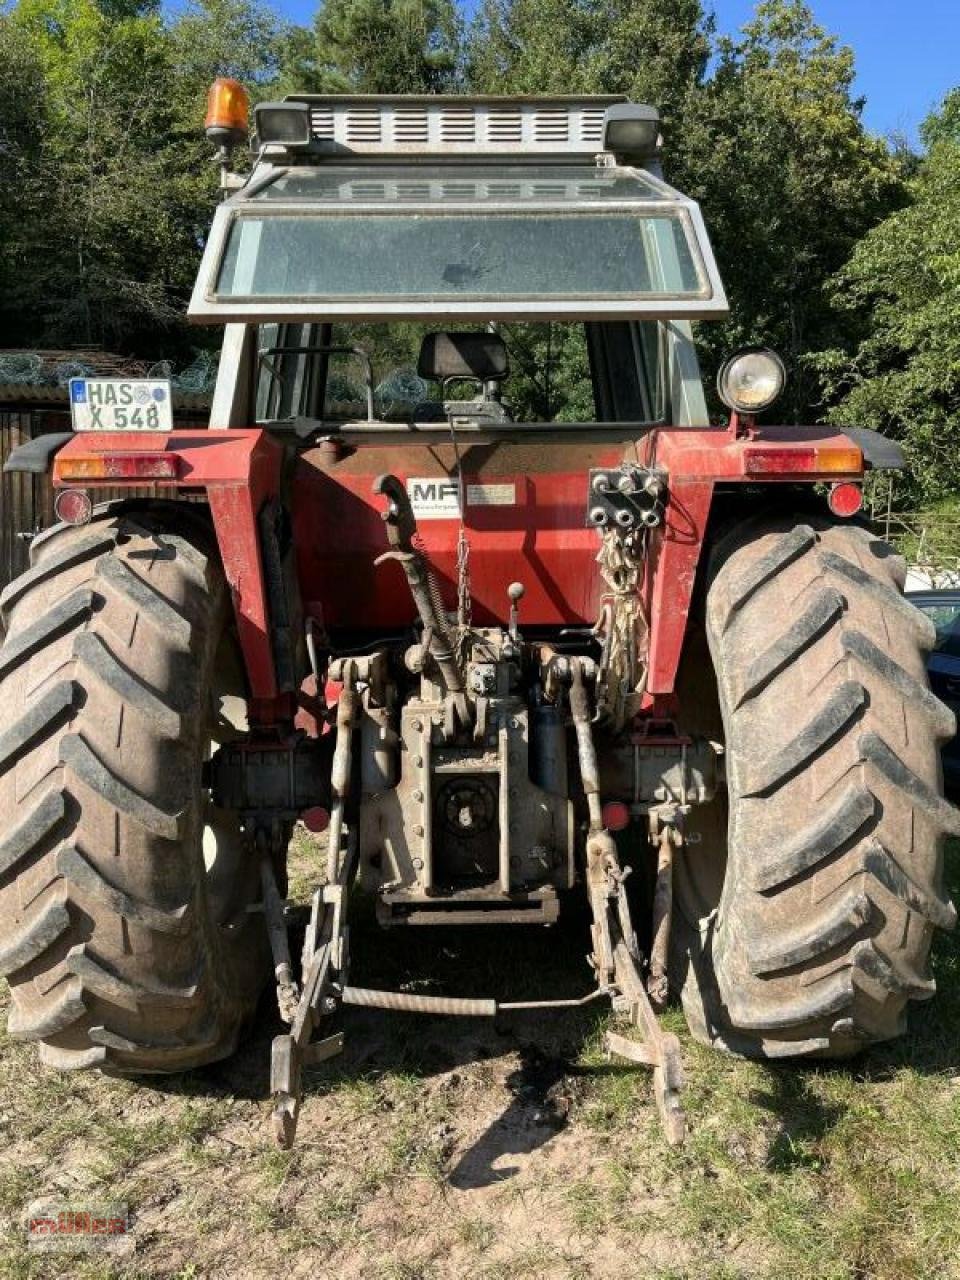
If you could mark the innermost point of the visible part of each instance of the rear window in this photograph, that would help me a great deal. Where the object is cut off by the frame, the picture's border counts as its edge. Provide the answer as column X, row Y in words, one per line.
column 488, row 242
column 557, row 373
column 420, row 258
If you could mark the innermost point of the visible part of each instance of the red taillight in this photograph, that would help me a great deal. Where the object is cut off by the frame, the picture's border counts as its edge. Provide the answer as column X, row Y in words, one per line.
column 73, row 506
column 316, row 819
column 771, row 460
column 116, row 466
column 615, row 815
column 845, row 499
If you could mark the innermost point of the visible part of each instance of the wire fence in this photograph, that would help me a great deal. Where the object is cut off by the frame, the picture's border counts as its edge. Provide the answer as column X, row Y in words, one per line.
column 930, row 543
column 56, row 368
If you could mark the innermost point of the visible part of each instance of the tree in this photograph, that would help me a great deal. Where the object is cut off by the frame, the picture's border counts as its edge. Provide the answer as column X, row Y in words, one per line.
column 84, row 268
column 901, row 291
column 238, row 38
column 774, row 148
column 531, row 46
column 655, row 51
column 385, row 46
column 943, row 125
column 651, row 50
column 111, row 179
column 22, row 115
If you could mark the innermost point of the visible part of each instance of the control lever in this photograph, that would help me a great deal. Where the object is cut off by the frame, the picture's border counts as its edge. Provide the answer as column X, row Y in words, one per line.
column 516, row 591
column 401, row 530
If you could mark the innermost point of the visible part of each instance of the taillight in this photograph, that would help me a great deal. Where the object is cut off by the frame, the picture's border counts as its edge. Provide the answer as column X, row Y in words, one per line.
column 316, row 819
column 766, row 460
column 73, row 506
column 615, row 815
column 845, row 499
column 116, row 466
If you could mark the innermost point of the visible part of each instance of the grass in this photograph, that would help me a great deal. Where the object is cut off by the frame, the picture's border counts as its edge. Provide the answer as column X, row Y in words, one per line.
column 435, row 1149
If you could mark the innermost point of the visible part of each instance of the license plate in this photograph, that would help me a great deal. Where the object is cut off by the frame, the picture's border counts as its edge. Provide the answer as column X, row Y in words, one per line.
column 121, row 404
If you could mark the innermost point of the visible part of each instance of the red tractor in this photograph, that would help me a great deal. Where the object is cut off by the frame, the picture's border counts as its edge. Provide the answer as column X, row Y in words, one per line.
column 461, row 573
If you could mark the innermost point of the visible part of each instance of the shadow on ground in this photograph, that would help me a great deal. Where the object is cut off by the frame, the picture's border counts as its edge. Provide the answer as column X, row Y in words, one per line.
column 507, row 963
column 523, row 963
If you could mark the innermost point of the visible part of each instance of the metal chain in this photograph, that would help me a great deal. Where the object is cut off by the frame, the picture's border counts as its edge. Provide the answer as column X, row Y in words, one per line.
column 464, row 604
column 622, row 627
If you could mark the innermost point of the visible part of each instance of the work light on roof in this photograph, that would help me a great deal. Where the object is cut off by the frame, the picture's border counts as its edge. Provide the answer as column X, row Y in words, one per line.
column 284, row 124
column 752, row 380
column 632, row 132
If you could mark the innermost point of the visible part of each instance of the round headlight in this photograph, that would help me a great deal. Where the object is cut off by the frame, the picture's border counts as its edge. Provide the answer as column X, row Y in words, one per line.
column 751, row 380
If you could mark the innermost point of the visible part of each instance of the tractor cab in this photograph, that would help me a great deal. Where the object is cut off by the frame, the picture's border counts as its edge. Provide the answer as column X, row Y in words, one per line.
column 367, row 223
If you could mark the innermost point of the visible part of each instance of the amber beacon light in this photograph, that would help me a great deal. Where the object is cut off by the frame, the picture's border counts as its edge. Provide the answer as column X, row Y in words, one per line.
column 228, row 112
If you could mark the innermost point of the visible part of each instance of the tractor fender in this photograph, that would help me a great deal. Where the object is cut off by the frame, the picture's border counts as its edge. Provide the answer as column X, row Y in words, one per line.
column 240, row 472
column 35, row 456
column 880, row 453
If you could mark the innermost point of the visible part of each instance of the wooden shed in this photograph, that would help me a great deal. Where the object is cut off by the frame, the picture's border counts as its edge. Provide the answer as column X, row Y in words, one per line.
column 30, row 408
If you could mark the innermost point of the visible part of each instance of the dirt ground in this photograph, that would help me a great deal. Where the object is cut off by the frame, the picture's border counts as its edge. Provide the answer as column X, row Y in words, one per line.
column 435, row 1149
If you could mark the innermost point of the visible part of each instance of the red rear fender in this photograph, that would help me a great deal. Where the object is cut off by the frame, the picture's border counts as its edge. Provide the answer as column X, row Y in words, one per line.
column 525, row 517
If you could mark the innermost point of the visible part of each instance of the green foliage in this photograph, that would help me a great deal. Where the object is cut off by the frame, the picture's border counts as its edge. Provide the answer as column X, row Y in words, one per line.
column 650, row 50
column 901, row 287
column 22, row 109
column 530, row 46
column 82, row 269
column 549, row 373
column 773, row 146
column 653, row 51
column 111, row 183
column 237, row 38
column 829, row 240
column 386, row 46
column 943, row 125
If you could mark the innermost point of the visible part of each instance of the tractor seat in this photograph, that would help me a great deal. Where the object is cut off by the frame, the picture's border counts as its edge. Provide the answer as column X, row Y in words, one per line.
column 480, row 358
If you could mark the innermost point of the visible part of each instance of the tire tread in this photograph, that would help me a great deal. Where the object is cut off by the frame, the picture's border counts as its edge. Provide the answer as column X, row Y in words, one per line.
column 834, row 867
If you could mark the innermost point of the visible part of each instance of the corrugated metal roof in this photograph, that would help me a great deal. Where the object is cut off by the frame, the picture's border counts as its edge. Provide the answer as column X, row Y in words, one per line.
column 106, row 363
column 33, row 396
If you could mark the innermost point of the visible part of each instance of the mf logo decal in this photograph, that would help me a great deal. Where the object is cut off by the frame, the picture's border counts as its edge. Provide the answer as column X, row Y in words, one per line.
column 434, row 497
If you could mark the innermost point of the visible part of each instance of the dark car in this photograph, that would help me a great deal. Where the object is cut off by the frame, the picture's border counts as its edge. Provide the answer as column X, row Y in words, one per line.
column 943, row 667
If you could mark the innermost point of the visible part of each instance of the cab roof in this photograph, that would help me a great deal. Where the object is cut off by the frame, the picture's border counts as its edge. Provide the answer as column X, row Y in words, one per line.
column 454, row 208
column 458, row 126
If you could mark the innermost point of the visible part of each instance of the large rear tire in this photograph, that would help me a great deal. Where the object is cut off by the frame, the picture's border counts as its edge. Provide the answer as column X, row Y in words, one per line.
column 833, row 884
column 123, row 949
